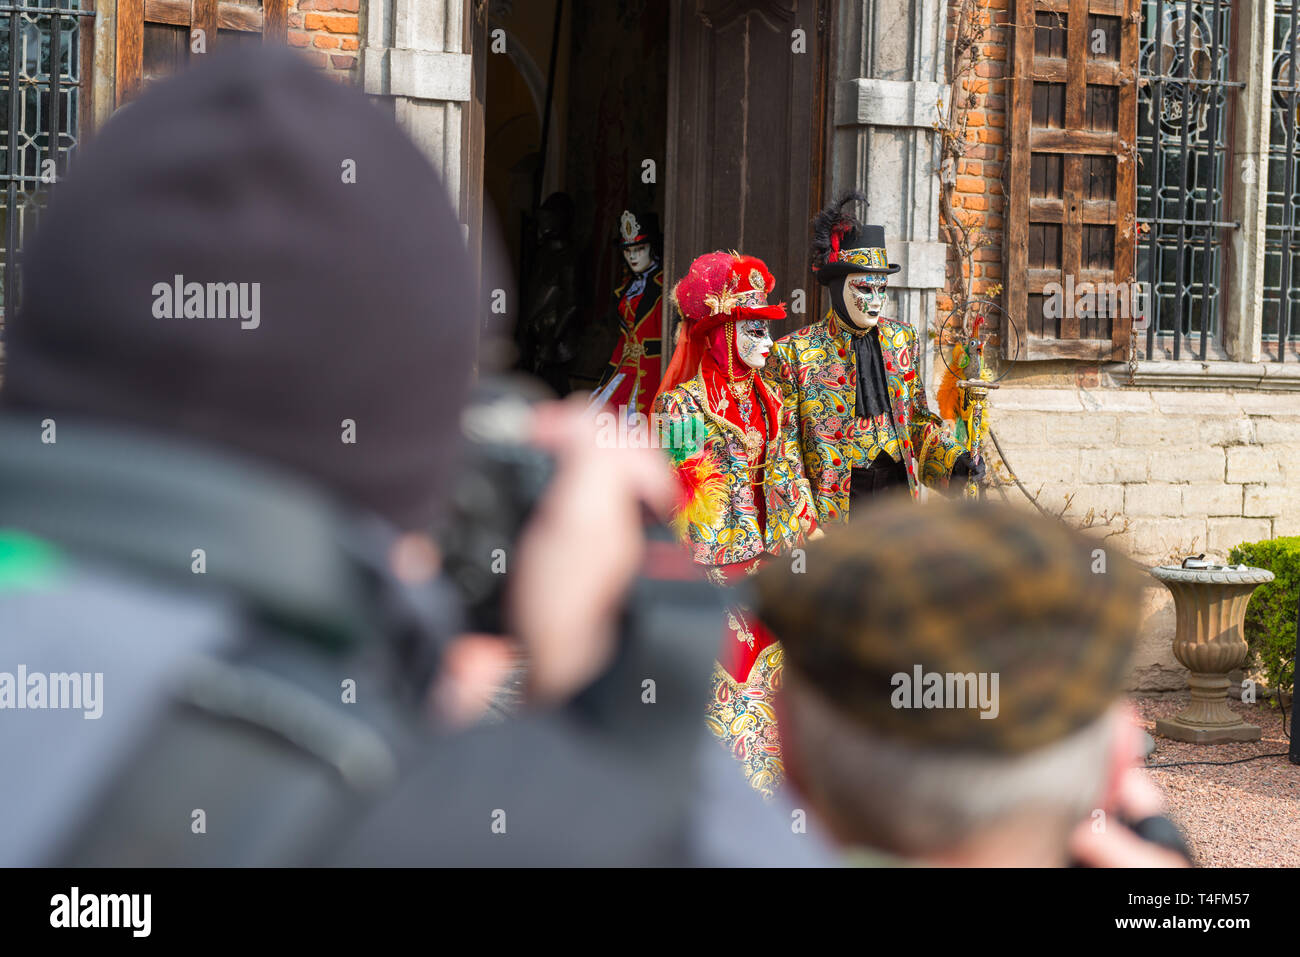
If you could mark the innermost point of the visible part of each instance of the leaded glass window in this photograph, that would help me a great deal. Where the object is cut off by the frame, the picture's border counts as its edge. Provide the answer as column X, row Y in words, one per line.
column 1184, row 104
column 1281, row 320
column 42, row 102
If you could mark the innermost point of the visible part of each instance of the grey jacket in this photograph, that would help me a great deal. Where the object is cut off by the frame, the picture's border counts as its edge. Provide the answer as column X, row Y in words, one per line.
column 249, row 685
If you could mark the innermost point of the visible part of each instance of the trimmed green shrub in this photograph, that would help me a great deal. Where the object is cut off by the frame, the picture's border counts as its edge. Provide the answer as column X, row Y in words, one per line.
column 1271, row 615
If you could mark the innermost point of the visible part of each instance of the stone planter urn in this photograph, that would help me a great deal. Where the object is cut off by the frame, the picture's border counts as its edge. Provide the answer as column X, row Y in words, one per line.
column 1209, row 640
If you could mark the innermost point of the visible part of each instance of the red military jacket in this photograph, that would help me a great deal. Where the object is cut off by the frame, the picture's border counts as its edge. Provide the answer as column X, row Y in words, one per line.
column 640, row 345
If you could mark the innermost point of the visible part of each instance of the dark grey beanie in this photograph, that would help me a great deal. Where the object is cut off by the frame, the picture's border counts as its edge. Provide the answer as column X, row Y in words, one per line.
column 255, row 169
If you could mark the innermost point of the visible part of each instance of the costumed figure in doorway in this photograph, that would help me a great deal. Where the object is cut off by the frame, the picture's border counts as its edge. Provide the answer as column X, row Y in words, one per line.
column 861, row 418
column 744, row 498
column 548, row 337
column 632, row 379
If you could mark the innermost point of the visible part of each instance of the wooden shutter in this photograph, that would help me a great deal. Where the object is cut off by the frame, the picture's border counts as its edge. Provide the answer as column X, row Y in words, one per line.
column 154, row 36
column 1072, row 190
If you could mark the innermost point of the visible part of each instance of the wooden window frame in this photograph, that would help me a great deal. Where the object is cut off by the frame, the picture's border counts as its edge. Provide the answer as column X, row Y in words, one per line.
column 1077, row 72
column 272, row 21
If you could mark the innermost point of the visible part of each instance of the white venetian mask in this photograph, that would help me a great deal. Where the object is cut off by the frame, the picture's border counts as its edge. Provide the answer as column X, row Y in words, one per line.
column 864, row 298
column 753, row 342
column 639, row 257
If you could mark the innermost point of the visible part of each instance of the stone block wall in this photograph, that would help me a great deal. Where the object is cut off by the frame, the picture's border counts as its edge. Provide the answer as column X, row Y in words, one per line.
column 1160, row 473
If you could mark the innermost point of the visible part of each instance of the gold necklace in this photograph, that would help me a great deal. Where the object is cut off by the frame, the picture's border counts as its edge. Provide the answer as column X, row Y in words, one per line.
column 753, row 439
column 743, row 390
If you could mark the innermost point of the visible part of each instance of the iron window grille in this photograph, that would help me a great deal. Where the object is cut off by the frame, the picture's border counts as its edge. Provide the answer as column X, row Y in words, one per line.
column 1281, row 320
column 1184, row 102
column 42, row 86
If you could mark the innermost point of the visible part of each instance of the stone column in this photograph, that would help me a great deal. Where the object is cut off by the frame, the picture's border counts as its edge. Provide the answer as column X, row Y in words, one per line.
column 414, row 55
column 1243, row 307
column 887, row 75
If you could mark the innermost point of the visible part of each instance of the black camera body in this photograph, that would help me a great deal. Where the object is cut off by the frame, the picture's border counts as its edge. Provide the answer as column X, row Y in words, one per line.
column 503, row 478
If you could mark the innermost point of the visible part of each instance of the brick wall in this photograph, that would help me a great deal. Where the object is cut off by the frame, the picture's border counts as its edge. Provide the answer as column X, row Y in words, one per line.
column 978, row 195
column 328, row 32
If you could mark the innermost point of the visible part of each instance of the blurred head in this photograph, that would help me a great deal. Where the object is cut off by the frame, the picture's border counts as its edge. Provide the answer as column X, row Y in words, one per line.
column 952, row 675
column 938, row 805
column 254, row 256
column 555, row 216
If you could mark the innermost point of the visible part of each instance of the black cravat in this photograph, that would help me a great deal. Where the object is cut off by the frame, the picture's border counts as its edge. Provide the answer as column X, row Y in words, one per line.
column 873, row 389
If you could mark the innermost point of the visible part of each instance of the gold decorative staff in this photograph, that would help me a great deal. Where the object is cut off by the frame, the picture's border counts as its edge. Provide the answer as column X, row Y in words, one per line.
column 973, row 403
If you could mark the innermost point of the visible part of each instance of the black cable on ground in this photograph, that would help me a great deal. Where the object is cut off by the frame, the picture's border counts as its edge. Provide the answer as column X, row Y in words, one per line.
column 1253, row 757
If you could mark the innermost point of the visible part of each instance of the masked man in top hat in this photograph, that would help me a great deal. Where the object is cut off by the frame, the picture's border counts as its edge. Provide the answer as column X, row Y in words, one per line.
column 860, row 413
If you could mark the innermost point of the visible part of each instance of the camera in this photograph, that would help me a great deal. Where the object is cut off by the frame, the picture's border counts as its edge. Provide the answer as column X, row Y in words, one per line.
column 503, row 478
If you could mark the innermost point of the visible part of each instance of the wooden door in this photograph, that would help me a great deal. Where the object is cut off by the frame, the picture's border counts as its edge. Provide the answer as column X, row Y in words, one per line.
column 746, row 136
column 156, row 38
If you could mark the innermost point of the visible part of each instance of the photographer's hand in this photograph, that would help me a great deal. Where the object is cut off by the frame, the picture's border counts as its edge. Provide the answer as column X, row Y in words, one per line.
column 580, row 551
column 1130, row 797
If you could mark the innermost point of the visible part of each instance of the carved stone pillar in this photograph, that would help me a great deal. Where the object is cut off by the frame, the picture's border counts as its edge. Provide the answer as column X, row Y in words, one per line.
column 415, row 55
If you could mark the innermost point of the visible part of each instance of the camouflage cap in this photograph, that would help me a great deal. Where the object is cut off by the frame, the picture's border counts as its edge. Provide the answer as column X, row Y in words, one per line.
column 960, row 626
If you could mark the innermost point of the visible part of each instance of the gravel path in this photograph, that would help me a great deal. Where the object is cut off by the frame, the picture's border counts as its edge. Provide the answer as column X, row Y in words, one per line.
column 1236, row 815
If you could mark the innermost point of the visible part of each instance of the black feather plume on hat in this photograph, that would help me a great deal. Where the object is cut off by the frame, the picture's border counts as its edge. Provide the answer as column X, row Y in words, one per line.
column 831, row 226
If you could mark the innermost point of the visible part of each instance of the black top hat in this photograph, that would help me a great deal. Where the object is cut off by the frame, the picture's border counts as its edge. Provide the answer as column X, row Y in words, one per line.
column 636, row 227
column 842, row 245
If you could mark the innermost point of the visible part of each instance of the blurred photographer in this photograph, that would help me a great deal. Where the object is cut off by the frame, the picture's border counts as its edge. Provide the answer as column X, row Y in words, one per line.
column 955, row 700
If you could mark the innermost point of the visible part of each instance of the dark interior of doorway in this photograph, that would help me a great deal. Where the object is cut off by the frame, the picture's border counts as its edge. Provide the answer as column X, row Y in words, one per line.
column 607, row 83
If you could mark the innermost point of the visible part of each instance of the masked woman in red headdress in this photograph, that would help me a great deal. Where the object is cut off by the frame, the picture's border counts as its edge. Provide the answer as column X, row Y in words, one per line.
column 744, row 495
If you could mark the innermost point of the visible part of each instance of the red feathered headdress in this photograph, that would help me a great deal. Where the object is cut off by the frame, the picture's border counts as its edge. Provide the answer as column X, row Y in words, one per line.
column 719, row 287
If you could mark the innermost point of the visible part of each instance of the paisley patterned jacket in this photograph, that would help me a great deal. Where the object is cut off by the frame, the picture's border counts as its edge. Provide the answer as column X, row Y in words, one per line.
column 816, row 373
column 733, row 534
